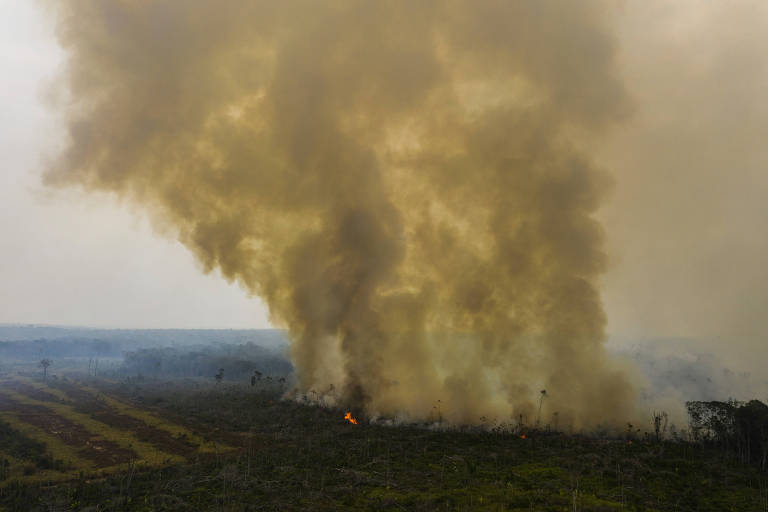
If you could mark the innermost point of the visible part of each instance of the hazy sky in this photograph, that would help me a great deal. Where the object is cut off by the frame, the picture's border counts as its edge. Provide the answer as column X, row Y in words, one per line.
column 685, row 225
column 59, row 250
column 688, row 223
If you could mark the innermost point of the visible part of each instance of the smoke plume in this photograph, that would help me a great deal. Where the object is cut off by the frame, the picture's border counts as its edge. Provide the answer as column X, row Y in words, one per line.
column 408, row 185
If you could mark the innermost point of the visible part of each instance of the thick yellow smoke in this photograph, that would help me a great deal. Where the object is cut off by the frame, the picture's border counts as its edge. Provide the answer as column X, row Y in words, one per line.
column 406, row 184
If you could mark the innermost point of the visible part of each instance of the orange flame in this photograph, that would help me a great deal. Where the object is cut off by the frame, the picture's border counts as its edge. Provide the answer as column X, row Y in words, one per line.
column 522, row 436
column 350, row 419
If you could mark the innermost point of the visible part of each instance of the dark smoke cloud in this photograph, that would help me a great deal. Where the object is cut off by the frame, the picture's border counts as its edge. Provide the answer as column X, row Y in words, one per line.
column 408, row 185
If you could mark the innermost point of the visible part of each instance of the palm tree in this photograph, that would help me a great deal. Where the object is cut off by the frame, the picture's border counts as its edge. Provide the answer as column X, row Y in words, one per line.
column 44, row 364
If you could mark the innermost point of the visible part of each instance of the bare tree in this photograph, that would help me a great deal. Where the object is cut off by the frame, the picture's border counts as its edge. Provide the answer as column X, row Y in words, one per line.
column 660, row 424
column 542, row 396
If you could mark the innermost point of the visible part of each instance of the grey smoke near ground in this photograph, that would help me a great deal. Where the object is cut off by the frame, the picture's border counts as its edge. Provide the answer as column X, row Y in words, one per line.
column 408, row 186
column 686, row 223
column 673, row 371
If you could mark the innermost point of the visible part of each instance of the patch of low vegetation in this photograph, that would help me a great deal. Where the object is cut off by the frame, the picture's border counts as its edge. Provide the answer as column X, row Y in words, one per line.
column 293, row 455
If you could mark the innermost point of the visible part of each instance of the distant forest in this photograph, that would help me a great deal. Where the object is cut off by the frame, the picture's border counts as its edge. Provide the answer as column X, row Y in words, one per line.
column 231, row 354
column 231, row 362
column 133, row 338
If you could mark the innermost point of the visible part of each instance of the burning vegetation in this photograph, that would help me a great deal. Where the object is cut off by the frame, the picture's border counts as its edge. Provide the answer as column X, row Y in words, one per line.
column 350, row 419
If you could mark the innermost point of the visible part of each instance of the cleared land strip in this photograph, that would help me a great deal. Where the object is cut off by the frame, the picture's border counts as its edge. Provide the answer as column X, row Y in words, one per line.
column 154, row 426
column 166, row 437
column 99, row 442
column 32, row 390
column 43, row 431
column 21, row 456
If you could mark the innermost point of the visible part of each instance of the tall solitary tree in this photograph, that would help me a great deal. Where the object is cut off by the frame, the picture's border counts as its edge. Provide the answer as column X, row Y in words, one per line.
column 44, row 364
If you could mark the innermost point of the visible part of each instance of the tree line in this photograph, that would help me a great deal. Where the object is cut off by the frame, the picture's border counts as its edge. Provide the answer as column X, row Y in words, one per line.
column 739, row 428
